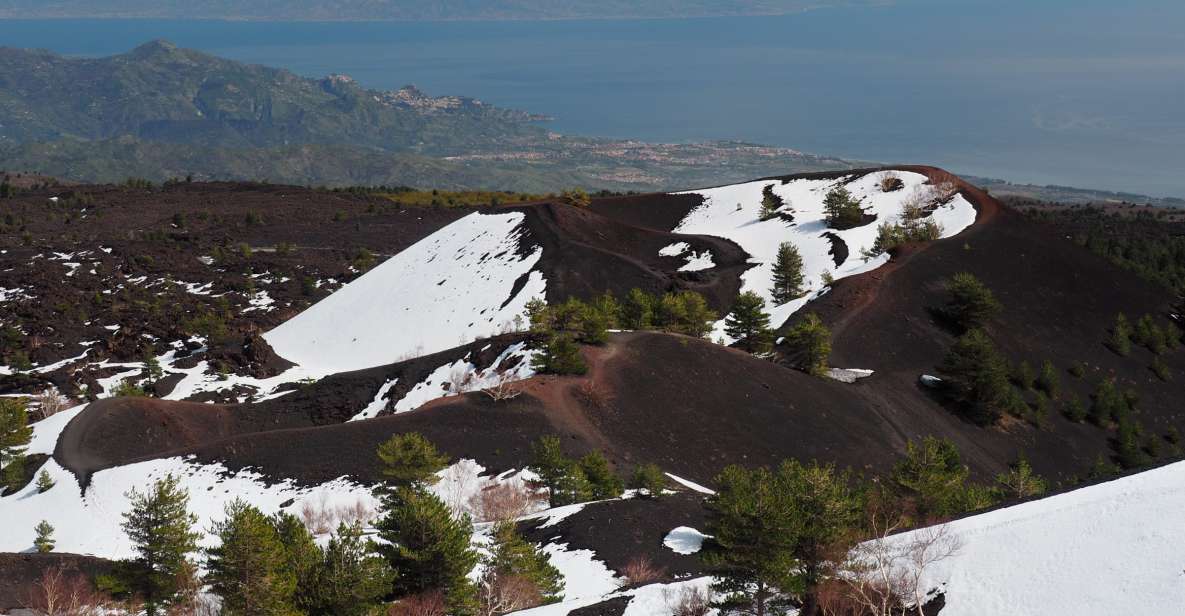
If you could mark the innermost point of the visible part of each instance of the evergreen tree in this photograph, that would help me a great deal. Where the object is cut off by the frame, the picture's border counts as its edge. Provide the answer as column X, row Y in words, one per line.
column 787, row 275
column 410, row 459
column 602, row 481
column 650, row 478
column 970, row 303
column 1121, row 335
column 1108, row 404
column 427, row 547
column 302, row 557
column 511, row 555
column 248, row 569
column 1049, row 380
column 772, row 532
column 15, row 435
column 563, row 478
column 560, row 356
column 770, row 203
column 539, row 316
column 593, row 325
column 1020, row 481
column 748, row 323
column 152, row 367
column 352, row 579
column 1129, row 451
column 976, row 377
column 160, row 528
column 809, row 344
column 609, row 308
column 841, row 209
column 933, row 476
column 44, row 541
column 637, row 311
column 44, row 482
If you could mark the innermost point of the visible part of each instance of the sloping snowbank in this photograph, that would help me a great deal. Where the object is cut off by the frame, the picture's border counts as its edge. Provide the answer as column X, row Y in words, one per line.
column 452, row 287
column 1112, row 548
column 732, row 212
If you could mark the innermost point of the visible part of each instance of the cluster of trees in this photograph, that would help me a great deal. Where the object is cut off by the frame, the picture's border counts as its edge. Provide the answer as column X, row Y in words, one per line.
column 683, row 312
column 780, row 536
column 421, row 557
column 571, row 480
column 913, row 225
column 1146, row 333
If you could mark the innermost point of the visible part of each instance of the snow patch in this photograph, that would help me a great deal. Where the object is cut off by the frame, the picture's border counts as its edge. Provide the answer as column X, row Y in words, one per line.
column 685, row 540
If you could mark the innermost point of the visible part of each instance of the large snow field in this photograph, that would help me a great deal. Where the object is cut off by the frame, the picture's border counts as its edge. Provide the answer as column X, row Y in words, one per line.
column 450, row 288
column 732, row 212
column 1111, row 548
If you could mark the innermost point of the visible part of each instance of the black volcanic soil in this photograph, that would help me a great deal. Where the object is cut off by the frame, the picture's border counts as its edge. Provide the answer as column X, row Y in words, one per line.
column 586, row 253
column 19, row 572
column 620, row 531
column 115, row 431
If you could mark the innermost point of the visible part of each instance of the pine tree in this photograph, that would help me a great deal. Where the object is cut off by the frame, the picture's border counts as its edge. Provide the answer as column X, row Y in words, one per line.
column 841, row 210
column 302, row 557
column 1049, row 380
column 593, row 325
column 352, row 578
column 609, row 308
column 410, row 459
column 15, row 432
column 160, row 528
column 933, row 475
column 637, row 311
column 44, row 482
column 1108, row 404
column 1020, row 481
column 772, row 532
column 427, row 547
column 511, row 556
column 560, row 356
column 152, row 367
column 976, row 376
column 809, row 343
column 1121, row 335
column 650, row 478
column 770, row 203
column 248, row 568
column 787, row 274
column 970, row 303
column 44, row 541
column 748, row 323
column 604, row 483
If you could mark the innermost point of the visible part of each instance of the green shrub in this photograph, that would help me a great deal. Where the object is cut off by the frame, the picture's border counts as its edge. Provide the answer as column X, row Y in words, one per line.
column 970, row 304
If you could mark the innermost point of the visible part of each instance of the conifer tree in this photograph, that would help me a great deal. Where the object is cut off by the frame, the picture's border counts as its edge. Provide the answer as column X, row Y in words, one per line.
column 603, row 482
column 248, row 569
column 160, row 528
column 976, row 376
column 511, row 556
column 809, row 343
column 933, row 476
column 15, row 435
column 609, row 308
column 302, row 557
column 748, row 323
column 427, row 547
column 44, row 482
column 637, row 311
column 787, row 275
column 840, row 209
column 1121, row 335
column 650, row 478
column 352, row 578
column 560, row 356
column 410, row 459
column 1020, row 481
column 44, row 541
column 970, row 303
column 770, row 203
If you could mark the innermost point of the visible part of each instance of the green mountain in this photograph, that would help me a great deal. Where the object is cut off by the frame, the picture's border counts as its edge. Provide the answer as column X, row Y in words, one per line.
column 159, row 92
column 159, row 112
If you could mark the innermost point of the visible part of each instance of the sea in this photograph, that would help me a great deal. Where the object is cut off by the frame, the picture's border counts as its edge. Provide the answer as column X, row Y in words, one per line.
column 1084, row 93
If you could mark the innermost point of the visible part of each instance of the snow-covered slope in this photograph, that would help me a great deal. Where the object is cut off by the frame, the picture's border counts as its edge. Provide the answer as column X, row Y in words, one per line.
column 732, row 212
column 452, row 287
column 1112, row 548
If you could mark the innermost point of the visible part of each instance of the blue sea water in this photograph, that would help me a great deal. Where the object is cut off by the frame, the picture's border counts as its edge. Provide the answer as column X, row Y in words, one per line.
column 1084, row 93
